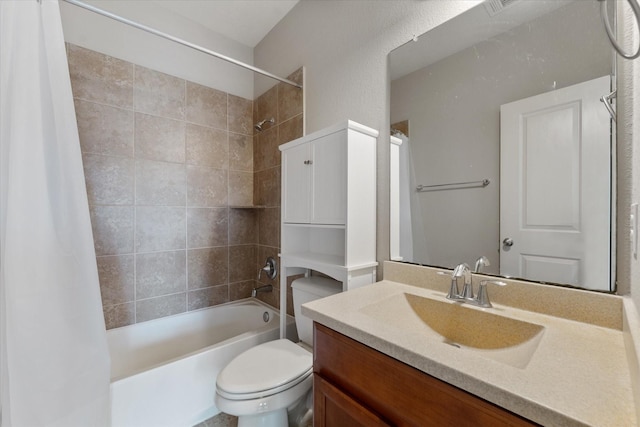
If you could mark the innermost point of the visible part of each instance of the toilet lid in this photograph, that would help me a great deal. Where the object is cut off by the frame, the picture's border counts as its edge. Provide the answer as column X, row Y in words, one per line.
column 276, row 364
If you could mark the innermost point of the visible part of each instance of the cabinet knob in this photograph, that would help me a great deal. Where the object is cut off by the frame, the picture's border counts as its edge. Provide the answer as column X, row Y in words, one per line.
column 308, row 162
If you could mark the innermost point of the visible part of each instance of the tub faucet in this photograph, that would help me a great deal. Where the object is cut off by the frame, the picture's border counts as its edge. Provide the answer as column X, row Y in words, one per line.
column 265, row 288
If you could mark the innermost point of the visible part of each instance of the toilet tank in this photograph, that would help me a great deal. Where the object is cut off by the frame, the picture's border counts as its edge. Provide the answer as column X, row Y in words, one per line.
column 308, row 289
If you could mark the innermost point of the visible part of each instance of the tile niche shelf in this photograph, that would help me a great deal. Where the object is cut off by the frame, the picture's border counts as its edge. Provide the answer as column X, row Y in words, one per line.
column 329, row 205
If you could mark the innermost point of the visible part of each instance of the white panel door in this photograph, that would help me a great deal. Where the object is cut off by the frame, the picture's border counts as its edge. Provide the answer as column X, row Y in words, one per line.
column 296, row 182
column 329, row 181
column 555, row 187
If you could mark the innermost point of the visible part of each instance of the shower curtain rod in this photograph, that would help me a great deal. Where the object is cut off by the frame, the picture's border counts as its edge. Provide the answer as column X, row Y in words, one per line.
column 179, row 41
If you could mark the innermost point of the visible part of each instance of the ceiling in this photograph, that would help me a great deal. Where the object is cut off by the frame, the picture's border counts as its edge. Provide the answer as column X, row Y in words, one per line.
column 245, row 21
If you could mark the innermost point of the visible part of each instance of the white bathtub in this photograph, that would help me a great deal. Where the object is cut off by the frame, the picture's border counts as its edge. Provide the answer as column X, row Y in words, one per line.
column 163, row 372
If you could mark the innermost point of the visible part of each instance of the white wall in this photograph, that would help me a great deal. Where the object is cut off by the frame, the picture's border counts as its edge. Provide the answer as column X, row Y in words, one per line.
column 344, row 46
column 92, row 31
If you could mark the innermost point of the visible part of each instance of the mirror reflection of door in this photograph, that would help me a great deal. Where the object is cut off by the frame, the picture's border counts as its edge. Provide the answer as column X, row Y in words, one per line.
column 555, row 174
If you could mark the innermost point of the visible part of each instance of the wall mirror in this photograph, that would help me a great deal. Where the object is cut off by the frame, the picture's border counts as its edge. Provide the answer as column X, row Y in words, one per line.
column 509, row 150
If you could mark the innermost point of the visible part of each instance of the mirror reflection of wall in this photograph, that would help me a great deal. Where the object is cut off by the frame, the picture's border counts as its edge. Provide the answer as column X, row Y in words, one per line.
column 453, row 105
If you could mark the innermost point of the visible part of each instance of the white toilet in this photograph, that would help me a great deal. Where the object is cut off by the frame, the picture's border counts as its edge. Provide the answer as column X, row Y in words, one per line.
column 261, row 384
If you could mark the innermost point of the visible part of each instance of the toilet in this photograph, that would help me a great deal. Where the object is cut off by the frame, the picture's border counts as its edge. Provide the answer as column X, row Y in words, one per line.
column 260, row 385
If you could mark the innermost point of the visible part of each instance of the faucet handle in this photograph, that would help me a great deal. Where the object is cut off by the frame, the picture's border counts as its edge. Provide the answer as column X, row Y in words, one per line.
column 482, row 300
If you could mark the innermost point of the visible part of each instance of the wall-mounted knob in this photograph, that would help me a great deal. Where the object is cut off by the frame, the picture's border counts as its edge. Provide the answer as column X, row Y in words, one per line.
column 270, row 268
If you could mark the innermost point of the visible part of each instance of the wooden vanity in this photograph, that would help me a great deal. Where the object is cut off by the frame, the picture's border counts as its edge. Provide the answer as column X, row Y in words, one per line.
column 355, row 385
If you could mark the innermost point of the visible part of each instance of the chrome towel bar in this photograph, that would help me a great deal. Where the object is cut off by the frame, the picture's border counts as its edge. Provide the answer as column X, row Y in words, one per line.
column 453, row 185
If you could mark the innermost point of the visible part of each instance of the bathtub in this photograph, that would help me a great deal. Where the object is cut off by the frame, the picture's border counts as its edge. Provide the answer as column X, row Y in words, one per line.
column 163, row 372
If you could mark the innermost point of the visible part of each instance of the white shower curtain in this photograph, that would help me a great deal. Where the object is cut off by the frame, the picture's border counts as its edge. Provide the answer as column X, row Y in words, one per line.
column 413, row 245
column 54, row 361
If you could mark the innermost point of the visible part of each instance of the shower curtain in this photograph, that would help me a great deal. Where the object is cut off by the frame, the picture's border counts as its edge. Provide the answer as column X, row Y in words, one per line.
column 54, row 360
column 413, row 246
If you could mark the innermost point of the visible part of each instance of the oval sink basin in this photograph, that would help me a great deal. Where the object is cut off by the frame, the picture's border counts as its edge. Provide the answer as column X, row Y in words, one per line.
column 488, row 334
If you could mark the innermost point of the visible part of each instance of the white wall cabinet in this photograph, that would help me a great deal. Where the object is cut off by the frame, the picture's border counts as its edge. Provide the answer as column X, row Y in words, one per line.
column 329, row 205
column 315, row 180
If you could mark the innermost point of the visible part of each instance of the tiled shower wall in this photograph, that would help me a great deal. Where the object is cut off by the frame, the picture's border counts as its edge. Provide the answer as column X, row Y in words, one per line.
column 166, row 161
column 283, row 103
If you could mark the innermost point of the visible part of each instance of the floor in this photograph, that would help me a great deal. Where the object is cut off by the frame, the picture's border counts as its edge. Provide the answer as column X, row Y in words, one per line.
column 225, row 420
column 220, row 420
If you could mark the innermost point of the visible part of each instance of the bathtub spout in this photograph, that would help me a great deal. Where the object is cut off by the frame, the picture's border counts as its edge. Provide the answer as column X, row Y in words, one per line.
column 265, row 288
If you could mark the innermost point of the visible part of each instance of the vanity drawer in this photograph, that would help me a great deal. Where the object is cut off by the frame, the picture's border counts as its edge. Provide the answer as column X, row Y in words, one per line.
column 392, row 391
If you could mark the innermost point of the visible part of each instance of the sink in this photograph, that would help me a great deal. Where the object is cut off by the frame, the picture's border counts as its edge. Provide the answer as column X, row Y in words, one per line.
column 481, row 331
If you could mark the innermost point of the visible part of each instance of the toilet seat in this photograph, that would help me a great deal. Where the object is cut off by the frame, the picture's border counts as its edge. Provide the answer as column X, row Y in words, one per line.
column 265, row 370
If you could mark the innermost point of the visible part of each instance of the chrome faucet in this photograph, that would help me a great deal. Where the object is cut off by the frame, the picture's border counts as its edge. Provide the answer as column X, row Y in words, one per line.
column 265, row 288
column 270, row 267
column 483, row 261
column 463, row 270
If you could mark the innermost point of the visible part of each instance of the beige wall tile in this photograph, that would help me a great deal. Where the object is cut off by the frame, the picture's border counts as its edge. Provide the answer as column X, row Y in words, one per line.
column 207, row 147
column 240, row 152
column 154, row 308
column 240, row 111
column 109, row 179
column 240, row 188
column 160, row 273
column 158, row 94
column 207, row 297
column 243, row 226
column 266, row 187
column 290, row 98
column 269, row 227
column 206, row 106
column 112, row 229
column 158, row 138
column 266, row 106
column 242, row 263
column 100, row 78
column 159, row 228
column 290, row 130
column 116, row 275
column 175, row 165
column 207, row 227
column 160, row 183
column 207, row 187
column 116, row 316
column 266, row 152
column 241, row 290
column 104, row 129
column 208, row 267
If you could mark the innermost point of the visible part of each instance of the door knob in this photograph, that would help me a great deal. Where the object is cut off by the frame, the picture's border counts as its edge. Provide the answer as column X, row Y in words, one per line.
column 508, row 242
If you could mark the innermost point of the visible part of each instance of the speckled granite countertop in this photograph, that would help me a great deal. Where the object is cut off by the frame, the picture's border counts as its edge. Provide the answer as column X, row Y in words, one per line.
column 579, row 374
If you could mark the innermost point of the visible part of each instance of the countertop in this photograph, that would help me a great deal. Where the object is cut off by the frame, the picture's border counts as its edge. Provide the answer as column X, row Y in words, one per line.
column 579, row 375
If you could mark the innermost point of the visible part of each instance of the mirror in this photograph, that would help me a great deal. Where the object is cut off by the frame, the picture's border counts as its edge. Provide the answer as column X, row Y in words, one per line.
column 510, row 150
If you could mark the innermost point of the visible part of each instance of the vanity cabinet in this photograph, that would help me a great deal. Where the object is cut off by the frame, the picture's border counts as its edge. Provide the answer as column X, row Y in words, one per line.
column 355, row 385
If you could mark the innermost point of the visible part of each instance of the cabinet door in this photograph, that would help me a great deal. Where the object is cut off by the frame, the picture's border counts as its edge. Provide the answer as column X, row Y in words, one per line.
column 296, row 176
column 333, row 408
column 329, row 179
